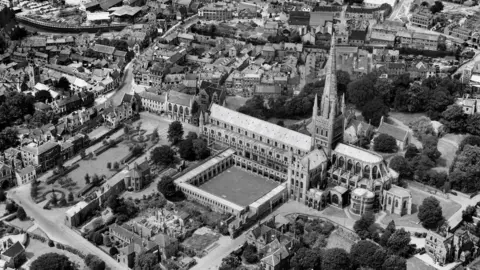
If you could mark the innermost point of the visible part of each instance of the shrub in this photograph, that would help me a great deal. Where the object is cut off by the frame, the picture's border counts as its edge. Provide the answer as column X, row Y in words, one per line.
column 50, row 243
column 385, row 143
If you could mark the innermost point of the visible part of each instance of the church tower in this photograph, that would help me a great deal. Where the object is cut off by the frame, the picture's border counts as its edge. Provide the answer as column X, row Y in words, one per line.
column 328, row 118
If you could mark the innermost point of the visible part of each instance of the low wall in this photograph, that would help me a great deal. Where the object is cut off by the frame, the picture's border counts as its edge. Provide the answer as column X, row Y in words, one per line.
column 65, row 28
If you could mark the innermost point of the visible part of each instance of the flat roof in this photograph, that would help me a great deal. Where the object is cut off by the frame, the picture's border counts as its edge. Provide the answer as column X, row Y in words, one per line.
column 240, row 186
column 98, row 16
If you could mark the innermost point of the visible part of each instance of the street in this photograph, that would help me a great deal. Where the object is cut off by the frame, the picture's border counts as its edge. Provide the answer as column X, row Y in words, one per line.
column 55, row 228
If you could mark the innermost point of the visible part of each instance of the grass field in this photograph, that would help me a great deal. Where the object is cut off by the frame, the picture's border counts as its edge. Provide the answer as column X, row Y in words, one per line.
column 239, row 186
column 36, row 248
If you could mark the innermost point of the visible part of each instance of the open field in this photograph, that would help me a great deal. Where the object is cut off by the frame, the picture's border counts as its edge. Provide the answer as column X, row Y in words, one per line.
column 239, row 186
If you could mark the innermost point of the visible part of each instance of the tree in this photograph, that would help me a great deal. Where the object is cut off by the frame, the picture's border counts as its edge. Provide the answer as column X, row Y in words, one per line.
column 54, row 199
column 361, row 91
column 8, row 138
column 52, row 261
column 394, row 262
column 465, row 175
column 230, row 262
column 191, row 136
column 154, row 137
column 454, row 119
column 469, row 140
column 113, row 251
column 281, row 123
column 437, row 7
column 162, row 155
column 43, row 96
column 469, row 213
column 374, row 110
column 116, row 165
column 400, row 165
column 21, row 213
column 165, row 186
column 398, row 243
column 63, row 83
column 363, row 252
column 411, row 152
column 87, row 177
column 364, row 227
column 250, row 254
column 11, row 207
column 385, row 143
column 306, row 258
column 18, row 33
column 94, row 262
column 201, row 149
column 98, row 239
column 335, row 258
column 421, row 127
column 175, row 132
column 430, row 213
column 147, row 261
column 70, row 197
column 109, row 165
column 185, row 149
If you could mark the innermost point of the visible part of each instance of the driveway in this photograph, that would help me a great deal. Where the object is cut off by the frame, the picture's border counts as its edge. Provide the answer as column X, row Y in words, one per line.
column 53, row 225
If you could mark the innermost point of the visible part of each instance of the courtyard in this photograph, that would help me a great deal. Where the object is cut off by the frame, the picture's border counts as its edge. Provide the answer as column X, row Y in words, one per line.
column 239, row 186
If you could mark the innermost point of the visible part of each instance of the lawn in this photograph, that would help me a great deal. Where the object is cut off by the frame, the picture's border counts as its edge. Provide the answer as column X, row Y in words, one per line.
column 449, row 208
column 239, row 186
column 36, row 248
column 415, row 263
column 98, row 165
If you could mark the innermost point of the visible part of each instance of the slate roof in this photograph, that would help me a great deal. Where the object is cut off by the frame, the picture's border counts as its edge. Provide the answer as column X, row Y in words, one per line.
column 179, row 98
column 262, row 128
column 105, row 5
column 104, row 49
column 14, row 250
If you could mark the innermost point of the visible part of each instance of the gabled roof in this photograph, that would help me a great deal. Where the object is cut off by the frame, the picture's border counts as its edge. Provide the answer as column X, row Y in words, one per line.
column 105, row 5
column 399, row 134
column 14, row 250
column 283, row 135
column 104, row 49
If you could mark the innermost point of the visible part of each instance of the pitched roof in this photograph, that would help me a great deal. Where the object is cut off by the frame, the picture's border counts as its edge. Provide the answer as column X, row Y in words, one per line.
column 152, row 96
column 104, row 49
column 179, row 98
column 14, row 250
column 26, row 171
column 263, row 128
column 358, row 153
column 105, row 5
column 398, row 133
column 319, row 18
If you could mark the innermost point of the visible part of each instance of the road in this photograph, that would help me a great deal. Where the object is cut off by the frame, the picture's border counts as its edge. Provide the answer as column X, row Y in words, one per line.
column 55, row 228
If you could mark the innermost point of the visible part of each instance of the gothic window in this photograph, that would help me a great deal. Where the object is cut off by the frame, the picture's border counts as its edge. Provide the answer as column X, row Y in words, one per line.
column 349, row 165
column 186, row 111
column 175, row 108
column 181, row 110
column 396, row 203
column 335, row 199
column 389, row 201
column 404, row 204
column 170, row 106
column 358, row 168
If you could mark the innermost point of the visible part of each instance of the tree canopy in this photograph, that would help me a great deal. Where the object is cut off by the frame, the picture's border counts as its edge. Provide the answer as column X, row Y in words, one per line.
column 162, row 155
column 52, row 261
column 430, row 213
column 385, row 143
column 175, row 132
column 147, row 261
column 335, row 258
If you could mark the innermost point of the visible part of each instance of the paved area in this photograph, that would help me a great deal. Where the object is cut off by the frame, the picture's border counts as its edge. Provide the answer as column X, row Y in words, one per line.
column 239, row 186
column 52, row 223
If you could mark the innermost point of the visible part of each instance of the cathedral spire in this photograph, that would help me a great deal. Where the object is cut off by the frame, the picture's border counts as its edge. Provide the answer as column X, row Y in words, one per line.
column 314, row 120
column 329, row 97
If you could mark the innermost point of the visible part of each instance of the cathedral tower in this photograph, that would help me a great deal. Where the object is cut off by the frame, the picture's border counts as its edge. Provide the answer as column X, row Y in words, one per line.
column 328, row 118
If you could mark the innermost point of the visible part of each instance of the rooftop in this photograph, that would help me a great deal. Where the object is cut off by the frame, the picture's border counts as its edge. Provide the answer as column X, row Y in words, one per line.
column 358, row 153
column 263, row 128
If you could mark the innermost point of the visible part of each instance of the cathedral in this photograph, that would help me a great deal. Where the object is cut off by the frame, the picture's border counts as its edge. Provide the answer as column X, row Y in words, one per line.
column 319, row 169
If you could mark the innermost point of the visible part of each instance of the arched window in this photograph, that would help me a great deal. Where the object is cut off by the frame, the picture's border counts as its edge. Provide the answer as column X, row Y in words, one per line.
column 366, row 171
column 334, row 158
column 186, row 111
column 358, row 168
column 341, row 162
column 335, row 199
column 389, row 200
column 181, row 110
column 396, row 203
column 170, row 106
column 349, row 165
column 405, row 204
column 175, row 109
column 375, row 172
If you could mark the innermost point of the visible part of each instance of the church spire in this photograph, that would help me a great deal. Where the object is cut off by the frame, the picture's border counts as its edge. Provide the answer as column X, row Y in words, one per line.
column 329, row 97
column 314, row 119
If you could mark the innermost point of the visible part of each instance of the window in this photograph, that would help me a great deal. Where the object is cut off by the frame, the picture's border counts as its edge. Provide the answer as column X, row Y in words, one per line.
column 246, row 133
column 240, row 142
column 253, row 136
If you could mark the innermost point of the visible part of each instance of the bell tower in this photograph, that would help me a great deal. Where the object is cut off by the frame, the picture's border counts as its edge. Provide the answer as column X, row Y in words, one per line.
column 328, row 118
